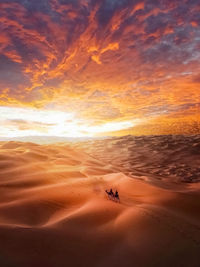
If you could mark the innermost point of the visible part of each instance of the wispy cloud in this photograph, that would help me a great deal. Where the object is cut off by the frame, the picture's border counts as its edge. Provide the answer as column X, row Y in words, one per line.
column 135, row 54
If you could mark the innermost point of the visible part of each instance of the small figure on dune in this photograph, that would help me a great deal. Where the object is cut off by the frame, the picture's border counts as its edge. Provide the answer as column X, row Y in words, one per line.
column 116, row 196
column 113, row 196
column 110, row 194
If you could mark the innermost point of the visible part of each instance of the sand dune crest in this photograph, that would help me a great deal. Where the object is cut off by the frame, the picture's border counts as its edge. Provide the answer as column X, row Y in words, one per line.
column 53, row 206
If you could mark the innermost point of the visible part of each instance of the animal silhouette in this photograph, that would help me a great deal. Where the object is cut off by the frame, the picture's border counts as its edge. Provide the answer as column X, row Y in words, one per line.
column 113, row 196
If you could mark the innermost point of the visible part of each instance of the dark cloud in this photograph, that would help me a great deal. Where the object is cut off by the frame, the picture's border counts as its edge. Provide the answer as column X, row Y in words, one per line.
column 11, row 74
column 155, row 23
column 109, row 7
column 33, row 6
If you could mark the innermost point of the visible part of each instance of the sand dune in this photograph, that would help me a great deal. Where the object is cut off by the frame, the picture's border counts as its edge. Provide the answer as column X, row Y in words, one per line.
column 166, row 158
column 54, row 212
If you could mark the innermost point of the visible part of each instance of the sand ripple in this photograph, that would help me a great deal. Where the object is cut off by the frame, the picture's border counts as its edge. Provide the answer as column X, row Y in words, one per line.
column 54, row 211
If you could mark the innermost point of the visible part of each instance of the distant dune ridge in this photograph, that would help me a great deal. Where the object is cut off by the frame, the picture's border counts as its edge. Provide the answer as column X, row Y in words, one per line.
column 54, row 211
column 166, row 157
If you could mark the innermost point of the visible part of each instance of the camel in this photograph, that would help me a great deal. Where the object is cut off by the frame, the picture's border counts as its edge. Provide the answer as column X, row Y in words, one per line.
column 113, row 196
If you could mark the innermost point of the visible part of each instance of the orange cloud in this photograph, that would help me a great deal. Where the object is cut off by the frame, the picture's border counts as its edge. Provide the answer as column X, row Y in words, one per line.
column 96, row 59
column 106, row 60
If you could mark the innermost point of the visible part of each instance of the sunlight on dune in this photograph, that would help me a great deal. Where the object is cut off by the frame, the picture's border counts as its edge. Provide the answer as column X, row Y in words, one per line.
column 54, row 210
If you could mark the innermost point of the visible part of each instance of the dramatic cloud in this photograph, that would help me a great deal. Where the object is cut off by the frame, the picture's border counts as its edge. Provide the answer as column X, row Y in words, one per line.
column 105, row 61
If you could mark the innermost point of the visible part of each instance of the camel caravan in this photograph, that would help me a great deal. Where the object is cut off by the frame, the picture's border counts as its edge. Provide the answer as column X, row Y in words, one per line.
column 113, row 196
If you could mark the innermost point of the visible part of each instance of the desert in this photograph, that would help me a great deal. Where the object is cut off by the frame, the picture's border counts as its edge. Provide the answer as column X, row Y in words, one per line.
column 54, row 211
column 99, row 133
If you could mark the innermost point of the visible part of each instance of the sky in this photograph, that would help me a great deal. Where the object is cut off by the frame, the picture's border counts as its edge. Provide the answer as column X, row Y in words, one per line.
column 99, row 67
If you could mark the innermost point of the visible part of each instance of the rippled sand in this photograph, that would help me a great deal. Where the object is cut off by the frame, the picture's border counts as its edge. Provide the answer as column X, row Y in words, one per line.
column 170, row 158
column 54, row 211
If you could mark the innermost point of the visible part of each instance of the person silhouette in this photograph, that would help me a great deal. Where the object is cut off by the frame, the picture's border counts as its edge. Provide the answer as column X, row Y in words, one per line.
column 110, row 194
column 116, row 195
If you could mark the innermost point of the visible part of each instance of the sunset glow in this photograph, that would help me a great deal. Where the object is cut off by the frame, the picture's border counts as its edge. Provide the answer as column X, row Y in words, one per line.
column 84, row 68
column 18, row 122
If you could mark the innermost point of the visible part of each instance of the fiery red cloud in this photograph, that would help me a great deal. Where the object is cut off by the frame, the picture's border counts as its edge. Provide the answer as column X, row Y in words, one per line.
column 107, row 60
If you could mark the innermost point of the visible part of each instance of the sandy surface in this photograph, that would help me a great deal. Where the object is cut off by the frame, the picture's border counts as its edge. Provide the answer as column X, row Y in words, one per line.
column 168, row 158
column 54, row 212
